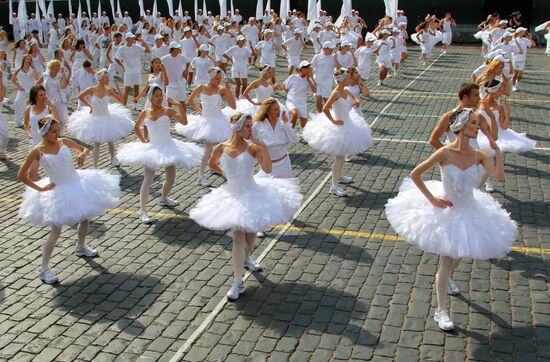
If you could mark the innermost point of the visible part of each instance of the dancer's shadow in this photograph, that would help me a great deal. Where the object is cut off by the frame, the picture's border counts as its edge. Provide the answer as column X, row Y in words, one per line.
column 277, row 306
column 370, row 160
column 531, row 265
column 365, row 199
column 108, row 297
column 185, row 232
column 8, row 169
column 131, row 182
column 306, row 161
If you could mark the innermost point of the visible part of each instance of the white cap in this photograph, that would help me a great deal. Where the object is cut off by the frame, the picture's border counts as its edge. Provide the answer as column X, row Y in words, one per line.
column 501, row 58
column 316, row 26
column 328, row 45
column 220, row 27
column 203, row 48
column 385, row 31
column 159, row 36
column 345, row 43
column 174, row 45
column 396, row 30
column 268, row 31
column 507, row 34
column 304, row 64
column 328, row 23
column 129, row 35
column 186, row 29
column 297, row 31
column 251, row 18
column 492, row 54
column 402, row 24
column 502, row 22
column 370, row 37
column 520, row 29
column 241, row 37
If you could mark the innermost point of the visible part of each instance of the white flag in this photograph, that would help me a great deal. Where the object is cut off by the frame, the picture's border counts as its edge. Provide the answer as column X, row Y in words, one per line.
column 268, row 5
column 155, row 11
column 311, row 9
column 50, row 9
column 88, row 5
column 118, row 8
column 259, row 9
column 70, row 8
column 99, row 11
column 223, row 8
column 170, row 7
column 204, row 11
column 37, row 16
column 391, row 8
column 283, row 12
column 232, row 8
column 22, row 17
column 346, row 11
column 141, row 8
column 113, row 10
column 319, row 8
column 11, row 13
column 43, row 10
column 79, row 15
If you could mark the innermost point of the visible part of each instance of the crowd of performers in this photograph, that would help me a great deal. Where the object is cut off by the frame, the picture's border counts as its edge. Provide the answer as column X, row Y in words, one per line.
column 187, row 65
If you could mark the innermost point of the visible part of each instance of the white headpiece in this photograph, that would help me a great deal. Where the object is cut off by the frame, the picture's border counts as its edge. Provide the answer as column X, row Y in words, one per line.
column 494, row 88
column 265, row 70
column 46, row 127
column 342, row 76
column 100, row 74
column 237, row 126
column 152, row 89
column 214, row 71
column 461, row 120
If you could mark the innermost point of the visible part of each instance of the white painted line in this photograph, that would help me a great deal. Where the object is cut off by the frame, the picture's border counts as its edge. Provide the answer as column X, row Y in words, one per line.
column 401, row 115
column 400, row 140
column 210, row 318
column 402, row 91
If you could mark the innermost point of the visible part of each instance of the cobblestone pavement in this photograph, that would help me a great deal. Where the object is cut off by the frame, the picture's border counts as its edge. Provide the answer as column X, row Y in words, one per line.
column 338, row 284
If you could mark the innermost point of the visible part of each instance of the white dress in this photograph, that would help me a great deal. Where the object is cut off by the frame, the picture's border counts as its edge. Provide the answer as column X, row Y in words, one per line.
column 212, row 126
column 351, row 138
column 244, row 106
column 161, row 151
column 476, row 226
column 247, row 203
column 106, row 123
column 78, row 194
column 508, row 139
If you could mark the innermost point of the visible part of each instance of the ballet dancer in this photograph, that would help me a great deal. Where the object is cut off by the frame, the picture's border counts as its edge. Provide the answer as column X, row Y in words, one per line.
column 23, row 79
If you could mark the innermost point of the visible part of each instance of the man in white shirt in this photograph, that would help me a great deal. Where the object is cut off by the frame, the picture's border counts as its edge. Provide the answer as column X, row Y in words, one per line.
column 33, row 23
column 159, row 49
column 127, row 20
column 220, row 42
column 177, row 16
column 105, row 18
column 239, row 55
column 237, row 18
column 186, row 17
column 176, row 66
column 523, row 43
column 400, row 18
column 189, row 46
column 293, row 48
column 83, row 79
column 53, row 38
column 150, row 18
column 296, row 87
column 323, row 65
column 129, row 58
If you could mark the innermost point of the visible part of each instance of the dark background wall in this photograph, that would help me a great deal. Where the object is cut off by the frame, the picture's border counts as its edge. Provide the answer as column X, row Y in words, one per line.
column 464, row 11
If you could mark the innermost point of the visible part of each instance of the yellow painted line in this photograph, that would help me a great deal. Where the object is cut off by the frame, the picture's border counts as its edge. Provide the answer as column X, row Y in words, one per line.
column 356, row 234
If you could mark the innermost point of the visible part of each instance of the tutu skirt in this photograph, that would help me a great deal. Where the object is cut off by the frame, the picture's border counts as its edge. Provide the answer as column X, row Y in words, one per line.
column 509, row 141
column 171, row 153
column 270, row 201
column 480, row 230
column 110, row 127
column 70, row 202
column 213, row 130
column 353, row 137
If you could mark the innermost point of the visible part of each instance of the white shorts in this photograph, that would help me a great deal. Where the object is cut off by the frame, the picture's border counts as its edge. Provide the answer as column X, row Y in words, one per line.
column 240, row 74
column 324, row 89
column 131, row 79
column 447, row 38
column 386, row 63
column 364, row 73
column 293, row 60
column 299, row 106
column 519, row 64
column 395, row 56
column 221, row 59
column 177, row 93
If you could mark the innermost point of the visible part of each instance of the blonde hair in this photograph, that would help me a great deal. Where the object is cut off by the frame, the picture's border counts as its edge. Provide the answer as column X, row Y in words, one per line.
column 489, row 73
column 264, row 108
column 51, row 64
column 234, row 118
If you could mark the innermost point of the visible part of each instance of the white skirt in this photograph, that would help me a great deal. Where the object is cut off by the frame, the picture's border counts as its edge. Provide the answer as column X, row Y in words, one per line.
column 115, row 125
column 212, row 130
column 173, row 153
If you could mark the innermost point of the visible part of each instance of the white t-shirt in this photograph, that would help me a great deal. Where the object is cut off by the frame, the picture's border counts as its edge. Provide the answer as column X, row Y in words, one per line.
column 221, row 42
column 364, row 57
column 294, row 46
column 297, row 88
column 131, row 57
column 175, row 66
column 239, row 56
column 160, row 51
column 267, row 48
column 323, row 67
column 345, row 60
column 479, row 71
column 524, row 44
column 188, row 48
column 327, row 35
column 201, row 66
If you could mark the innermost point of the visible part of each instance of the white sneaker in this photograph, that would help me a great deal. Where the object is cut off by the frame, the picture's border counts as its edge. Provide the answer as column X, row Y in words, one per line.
column 260, row 235
column 347, row 158
column 514, row 89
column 134, row 107
column 168, row 202
column 237, row 288
column 86, row 251
column 444, row 321
column 338, row 191
column 145, row 219
column 47, row 276
column 452, row 288
column 489, row 187
column 345, row 180
column 252, row 265
column 380, row 83
column 115, row 162
column 203, row 181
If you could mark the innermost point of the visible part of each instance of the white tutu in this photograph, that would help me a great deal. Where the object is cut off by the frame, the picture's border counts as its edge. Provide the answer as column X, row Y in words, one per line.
column 270, row 201
column 414, row 38
column 108, row 127
column 508, row 141
column 68, row 203
column 213, row 130
column 175, row 153
column 244, row 106
column 353, row 137
column 482, row 230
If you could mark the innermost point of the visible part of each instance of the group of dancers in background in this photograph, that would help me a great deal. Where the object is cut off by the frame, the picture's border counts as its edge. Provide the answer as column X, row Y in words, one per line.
column 187, row 63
